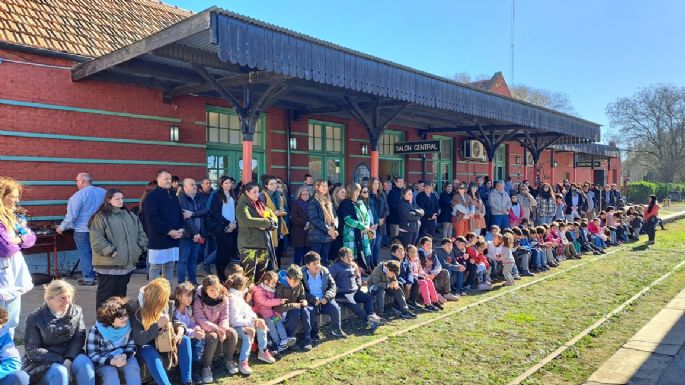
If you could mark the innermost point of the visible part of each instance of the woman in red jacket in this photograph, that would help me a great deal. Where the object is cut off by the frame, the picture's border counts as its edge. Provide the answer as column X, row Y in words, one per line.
column 650, row 215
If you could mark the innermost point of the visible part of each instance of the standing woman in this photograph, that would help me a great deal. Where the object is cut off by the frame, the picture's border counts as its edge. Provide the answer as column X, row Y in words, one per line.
column 299, row 223
column 477, row 221
column 527, row 202
column 15, row 279
column 151, row 314
column 651, row 217
column 257, row 223
column 461, row 211
column 339, row 195
column 372, row 211
column 547, row 206
column 409, row 215
column 117, row 238
column 380, row 202
column 223, row 224
column 54, row 340
column 323, row 223
column 355, row 225
column 445, row 217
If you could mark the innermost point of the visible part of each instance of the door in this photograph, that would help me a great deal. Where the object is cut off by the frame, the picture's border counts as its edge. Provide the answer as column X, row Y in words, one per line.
column 230, row 162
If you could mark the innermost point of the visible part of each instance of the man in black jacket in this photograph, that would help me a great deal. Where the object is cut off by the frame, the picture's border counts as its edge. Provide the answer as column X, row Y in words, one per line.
column 190, row 244
column 165, row 227
column 431, row 208
column 394, row 197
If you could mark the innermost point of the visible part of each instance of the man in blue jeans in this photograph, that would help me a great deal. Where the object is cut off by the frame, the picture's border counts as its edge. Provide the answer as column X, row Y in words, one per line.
column 320, row 289
column 80, row 207
column 500, row 203
column 190, row 245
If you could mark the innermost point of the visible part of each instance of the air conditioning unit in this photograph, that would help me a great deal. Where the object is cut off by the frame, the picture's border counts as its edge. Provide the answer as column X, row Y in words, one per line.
column 474, row 150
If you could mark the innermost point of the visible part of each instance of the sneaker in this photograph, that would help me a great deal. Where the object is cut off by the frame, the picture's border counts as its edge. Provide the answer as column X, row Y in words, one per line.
column 307, row 347
column 245, row 368
column 197, row 378
column 510, row 283
column 232, row 367
column 316, row 338
column 86, row 282
column 518, row 277
column 483, row 287
column 207, row 376
column 291, row 342
column 430, row 308
column 339, row 333
column 373, row 326
column 373, row 318
column 451, row 297
column 407, row 314
column 438, row 305
column 527, row 274
column 265, row 356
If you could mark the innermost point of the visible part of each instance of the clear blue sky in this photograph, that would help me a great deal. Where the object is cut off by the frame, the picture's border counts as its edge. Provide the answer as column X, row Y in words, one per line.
column 593, row 50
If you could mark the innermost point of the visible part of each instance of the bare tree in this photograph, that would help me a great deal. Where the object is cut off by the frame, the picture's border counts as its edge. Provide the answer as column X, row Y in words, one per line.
column 653, row 122
column 554, row 100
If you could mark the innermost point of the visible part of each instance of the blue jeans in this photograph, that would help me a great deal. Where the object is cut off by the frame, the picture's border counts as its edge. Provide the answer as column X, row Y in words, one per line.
column 209, row 250
column 361, row 298
column 81, row 368
column 299, row 255
column 500, row 220
column 156, row 367
column 332, row 309
column 544, row 220
column 323, row 248
column 456, row 280
column 247, row 341
column 85, row 254
column 188, row 254
column 197, row 348
column 18, row 377
column 110, row 374
column 276, row 330
column 295, row 316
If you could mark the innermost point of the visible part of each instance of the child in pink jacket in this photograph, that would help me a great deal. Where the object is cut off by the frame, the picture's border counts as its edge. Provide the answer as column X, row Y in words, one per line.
column 263, row 301
column 210, row 310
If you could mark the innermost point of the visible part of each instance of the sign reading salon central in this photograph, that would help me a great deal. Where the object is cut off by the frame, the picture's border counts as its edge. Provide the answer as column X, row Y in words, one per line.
column 417, row 147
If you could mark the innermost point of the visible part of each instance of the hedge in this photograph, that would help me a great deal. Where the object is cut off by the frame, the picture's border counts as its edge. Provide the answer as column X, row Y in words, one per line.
column 639, row 192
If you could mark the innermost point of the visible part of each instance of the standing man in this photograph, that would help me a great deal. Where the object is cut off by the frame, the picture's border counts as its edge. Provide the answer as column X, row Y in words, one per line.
column 431, row 208
column 308, row 184
column 81, row 206
column 165, row 227
column 205, row 187
column 590, row 197
column 273, row 199
column 190, row 245
column 500, row 203
column 394, row 197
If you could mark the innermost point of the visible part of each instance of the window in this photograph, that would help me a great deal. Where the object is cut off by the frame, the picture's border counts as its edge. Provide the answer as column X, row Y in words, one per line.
column 223, row 127
column 386, row 146
column 442, row 162
column 326, row 147
column 500, row 162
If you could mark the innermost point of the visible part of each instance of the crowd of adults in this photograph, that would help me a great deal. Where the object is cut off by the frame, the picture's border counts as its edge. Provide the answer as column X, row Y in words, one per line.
column 486, row 233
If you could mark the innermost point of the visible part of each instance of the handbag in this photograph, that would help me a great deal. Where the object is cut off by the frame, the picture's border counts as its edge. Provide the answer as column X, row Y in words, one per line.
column 164, row 342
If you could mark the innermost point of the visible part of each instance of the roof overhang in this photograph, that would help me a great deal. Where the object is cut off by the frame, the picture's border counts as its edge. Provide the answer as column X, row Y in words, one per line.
column 595, row 149
column 240, row 51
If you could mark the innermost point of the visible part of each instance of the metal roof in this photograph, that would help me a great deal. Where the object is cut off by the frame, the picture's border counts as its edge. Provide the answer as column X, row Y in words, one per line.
column 596, row 149
column 228, row 43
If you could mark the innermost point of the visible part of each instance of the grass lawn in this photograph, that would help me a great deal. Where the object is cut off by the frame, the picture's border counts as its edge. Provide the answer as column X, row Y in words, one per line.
column 494, row 342
column 674, row 208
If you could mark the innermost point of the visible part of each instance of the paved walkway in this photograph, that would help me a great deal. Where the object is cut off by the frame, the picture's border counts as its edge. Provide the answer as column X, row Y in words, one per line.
column 655, row 355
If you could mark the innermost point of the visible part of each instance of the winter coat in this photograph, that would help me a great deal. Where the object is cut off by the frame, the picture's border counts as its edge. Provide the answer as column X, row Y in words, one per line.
column 216, row 223
column 379, row 279
column 196, row 223
column 298, row 220
column 430, row 205
column 500, row 202
column 582, row 203
column 252, row 225
column 329, row 288
column 240, row 314
column 445, row 204
column 547, row 207
column 211, row 318
column 162, row 214
column 264, row 301
column 49, row 340
column 293, row 294
column 345, row 277
column 138, row 332
column 408, row 218
column 318, row 229
column 120, row 232
column 394, row 198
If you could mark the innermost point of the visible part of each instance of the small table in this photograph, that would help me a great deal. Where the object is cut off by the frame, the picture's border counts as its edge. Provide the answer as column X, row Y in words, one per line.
column 46, row 239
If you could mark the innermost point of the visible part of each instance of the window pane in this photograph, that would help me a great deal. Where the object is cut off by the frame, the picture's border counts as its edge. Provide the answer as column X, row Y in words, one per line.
column 234, row 137
column 333, row 170
column 213, row 134
column 329, row 144
column 311, row 130
column 213, row 119
column 317, row 131
column 223, row 135
column 223, row 120
column 234, row 122
column 315, row 167
column 210, row 161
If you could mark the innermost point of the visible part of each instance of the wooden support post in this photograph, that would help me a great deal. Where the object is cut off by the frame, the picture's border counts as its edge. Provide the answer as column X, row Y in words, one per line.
column 247, row 161
column 491, row 169
column 374, row 163
column 551, row 166
column 575, row 180
column 525, row 164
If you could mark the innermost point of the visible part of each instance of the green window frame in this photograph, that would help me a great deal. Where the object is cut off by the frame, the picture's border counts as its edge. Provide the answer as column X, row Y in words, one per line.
column 442, row 161
column 500, row 162
column 223, row 128
column 327, row 150
column 386, row 152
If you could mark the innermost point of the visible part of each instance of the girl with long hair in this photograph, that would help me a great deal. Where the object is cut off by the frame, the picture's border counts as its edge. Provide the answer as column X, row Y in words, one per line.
column 546, row 205
column 223, row 225
column 651, row 217
column 477, row 221
column 323, row 222
column 355, row 225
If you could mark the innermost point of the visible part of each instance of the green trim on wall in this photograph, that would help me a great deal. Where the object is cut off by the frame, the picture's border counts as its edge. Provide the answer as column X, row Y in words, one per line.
column 280, row 132
column 45, row 218
column 51, row 202
column 73, row 183
column 199, row 123
column 278, row 150
column 297, row 133
column 416, row 173
column 96, row 139
column 278, row 166
column 96, row 161
column 360, row 140
column 86, row 110
column 361, row 156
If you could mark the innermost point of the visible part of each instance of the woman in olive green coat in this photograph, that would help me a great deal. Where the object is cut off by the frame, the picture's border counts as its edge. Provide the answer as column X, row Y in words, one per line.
column 117, row 239
column 255, row 222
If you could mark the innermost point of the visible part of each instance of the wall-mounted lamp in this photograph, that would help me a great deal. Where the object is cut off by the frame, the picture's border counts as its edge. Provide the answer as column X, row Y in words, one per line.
column 293, row 143
column 173, row 133
column 555, row 164
column 365, row 149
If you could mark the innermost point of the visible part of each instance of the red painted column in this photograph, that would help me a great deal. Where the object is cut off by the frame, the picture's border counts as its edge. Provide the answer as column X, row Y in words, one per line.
column 247, row 161
column 525, row 164
column 575, row 180
column 551, row 166
column 491, row 169
column 374, row 163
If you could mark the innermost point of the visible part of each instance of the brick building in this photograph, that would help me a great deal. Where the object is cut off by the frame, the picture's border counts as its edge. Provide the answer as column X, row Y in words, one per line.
column 72, row 100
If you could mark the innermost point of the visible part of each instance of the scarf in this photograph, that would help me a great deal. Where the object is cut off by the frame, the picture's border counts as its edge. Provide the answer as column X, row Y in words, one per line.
column 282, row 227
column 267, row 288
column 259, row 206
column 326, row 208
column 118, row 337
column 302, row 203
column 209, row 301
